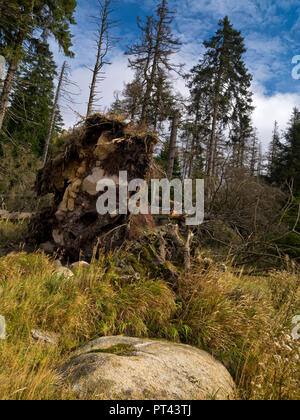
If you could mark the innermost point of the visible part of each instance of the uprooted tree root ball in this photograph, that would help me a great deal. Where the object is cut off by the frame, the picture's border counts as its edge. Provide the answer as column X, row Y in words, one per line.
column 100, row 148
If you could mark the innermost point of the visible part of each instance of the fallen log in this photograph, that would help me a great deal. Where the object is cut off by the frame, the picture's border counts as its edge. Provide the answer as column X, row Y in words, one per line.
column 100, row 148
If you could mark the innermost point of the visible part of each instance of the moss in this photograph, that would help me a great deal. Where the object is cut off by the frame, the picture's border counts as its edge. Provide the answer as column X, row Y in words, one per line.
column 118, row 350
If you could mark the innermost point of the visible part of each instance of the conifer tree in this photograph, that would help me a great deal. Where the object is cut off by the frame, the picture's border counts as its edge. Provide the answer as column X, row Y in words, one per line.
column 103, row 42
column 163, row 159
column 28, row 116
column 54, row 113
column 254, row 153
column 198, row 126
column 151, row 55
column 287, row 163
column 241, row 134
column 274, row 149
column 21, row 22
column 132, row 98
column 221, row 78
column 173, row 144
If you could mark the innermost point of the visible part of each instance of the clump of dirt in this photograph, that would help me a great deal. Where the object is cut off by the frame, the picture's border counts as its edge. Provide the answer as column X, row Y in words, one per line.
column 99, row 148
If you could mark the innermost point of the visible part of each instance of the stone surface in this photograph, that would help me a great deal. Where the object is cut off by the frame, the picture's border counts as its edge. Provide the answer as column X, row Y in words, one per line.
column 58, row 237
column 2, row 328
column 43, row 337
column 64, row 272
column 57, row 264
column 80, row 265
column 140, row 369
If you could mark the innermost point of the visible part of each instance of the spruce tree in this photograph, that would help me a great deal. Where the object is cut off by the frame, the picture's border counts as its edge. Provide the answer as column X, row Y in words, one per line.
column 274, row 149
column 287, row 163
column 197, row 127
column 151, row 55
column 103, row 43
column 222, row 79
column 21, row 22
column 241, row 133
column 28, row 117
column 163, row 158
column 254, row 153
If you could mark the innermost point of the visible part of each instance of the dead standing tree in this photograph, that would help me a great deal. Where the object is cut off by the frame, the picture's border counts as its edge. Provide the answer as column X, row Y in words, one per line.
column 153, row 52
column 103, row 47
column 53, row 114
column 172, row 146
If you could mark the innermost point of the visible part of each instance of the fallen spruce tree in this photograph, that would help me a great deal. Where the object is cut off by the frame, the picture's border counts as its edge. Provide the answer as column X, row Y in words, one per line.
column 99, row 148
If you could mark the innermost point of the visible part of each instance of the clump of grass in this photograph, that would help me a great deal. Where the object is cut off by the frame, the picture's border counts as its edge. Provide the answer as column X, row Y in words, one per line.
column 90, row 305
column 11, row 236
column 220, row 316
column 272, row 367
column 245, row 323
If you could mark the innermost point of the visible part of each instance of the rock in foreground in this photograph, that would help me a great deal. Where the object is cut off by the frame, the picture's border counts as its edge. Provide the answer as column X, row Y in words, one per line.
column 125, row 368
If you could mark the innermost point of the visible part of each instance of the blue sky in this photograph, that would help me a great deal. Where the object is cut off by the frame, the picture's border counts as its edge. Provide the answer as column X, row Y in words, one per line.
column 271, row 29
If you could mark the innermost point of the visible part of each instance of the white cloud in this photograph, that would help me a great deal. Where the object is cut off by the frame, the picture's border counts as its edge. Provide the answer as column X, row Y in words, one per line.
column 269, row 109
column 118, row 73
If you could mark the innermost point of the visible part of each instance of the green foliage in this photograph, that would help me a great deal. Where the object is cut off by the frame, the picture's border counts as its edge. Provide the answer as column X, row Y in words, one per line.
column 286, row 167
column 220, row 92
column 162, row 160
column 20, row 19
column 18, row 168
column 289, row 244
column 151, row 60
column 28, row 116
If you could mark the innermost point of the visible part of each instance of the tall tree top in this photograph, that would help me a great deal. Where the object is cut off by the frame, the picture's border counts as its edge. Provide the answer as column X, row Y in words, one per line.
column 20, row 19
column 157, row 41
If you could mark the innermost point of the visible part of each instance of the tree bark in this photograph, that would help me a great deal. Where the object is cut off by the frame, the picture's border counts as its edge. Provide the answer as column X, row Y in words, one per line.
column 187, row 253
column 172, row 146
column 212, row 146
column 8, row 83
column 53, row 114
column 100, row 57
column 151, row 80
column 195, row 142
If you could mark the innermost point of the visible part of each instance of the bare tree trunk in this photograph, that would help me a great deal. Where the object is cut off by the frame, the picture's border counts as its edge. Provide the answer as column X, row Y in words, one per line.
column 213, row 142
column 101, row 53
column 151, row 80
column 53, row 114
column 150, row 84
column 195, row 142
column 242, row 154
column 212, row 146
column 172, row 146
column 8, row 83
column 187, row 253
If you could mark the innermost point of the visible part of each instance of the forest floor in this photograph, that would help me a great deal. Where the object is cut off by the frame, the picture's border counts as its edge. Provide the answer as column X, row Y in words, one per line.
column 244, row 321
